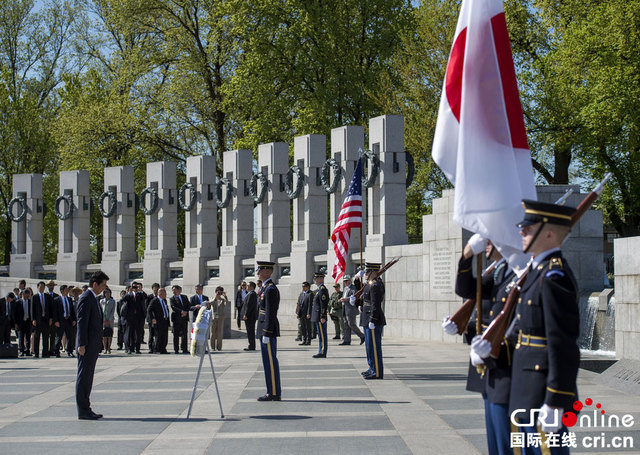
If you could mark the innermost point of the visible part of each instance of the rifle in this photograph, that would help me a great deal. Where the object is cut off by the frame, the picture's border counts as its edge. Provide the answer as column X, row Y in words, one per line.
column 498, row 328
column 462, row 316
column 383, row 269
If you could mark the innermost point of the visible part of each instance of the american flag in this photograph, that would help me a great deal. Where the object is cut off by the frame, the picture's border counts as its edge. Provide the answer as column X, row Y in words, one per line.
column 350, row 217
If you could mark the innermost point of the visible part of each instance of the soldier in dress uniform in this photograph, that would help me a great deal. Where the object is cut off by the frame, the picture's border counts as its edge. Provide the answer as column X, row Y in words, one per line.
column 319, row 313
column 372, row 320
column 269, row 330
column 488, row 376
column 546, row 356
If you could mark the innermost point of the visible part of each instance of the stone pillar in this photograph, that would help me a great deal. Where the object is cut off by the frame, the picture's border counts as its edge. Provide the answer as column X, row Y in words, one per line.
column 627, row 297
column 73, row 233
column 201, row 222
column 161, row 233
column 273, row 213
column 346, row 142
column 237, row 219
column 386, row 199
column 310, row 208
column 26, row 236
column 119, row 243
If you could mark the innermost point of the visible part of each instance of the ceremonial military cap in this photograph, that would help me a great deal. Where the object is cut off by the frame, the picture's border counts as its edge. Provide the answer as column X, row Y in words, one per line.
column 265, row 265
column 319, row 275
column 372, row 266
column 346, row 278
column 545, row 212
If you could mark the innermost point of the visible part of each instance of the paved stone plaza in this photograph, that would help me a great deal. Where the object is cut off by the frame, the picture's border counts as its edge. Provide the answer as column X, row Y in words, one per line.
column 421, row 407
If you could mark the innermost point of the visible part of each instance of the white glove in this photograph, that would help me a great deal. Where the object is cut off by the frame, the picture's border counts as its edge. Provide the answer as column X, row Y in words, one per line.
column 352, row 300
column 265, row 340
column 372, row 325
column 449, row 327
column 550, row 419
column 477, row 243
column 475, row 358
column 480, row 346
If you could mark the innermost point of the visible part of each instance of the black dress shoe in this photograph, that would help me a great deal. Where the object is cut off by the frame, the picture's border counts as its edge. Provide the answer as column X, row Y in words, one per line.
column 37, row 356
column 366, row 373
column 344, row 344
column 302, row 344
column 320, row 356
column 95, row 414
column 336, row 338
column 361, row 341
column 372, row 376
column 249, row 349
column 57, row 354
column 267, row 397
column 298, row 339
column 88, row 417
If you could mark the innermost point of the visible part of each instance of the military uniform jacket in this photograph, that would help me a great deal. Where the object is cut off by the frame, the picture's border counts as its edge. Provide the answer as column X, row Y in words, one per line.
column 268, row 303
column 349, row 310
column 546, row 358
column 320, row 304
column 372, row 296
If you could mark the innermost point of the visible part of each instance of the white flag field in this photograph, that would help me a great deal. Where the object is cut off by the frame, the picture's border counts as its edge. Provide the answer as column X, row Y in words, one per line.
column 480, row 140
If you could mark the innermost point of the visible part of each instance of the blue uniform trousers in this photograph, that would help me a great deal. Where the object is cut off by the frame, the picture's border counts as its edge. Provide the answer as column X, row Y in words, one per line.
column 321, row 327
column 374, row 350
column 498, row 428
column 271, row 366
column 367, row 343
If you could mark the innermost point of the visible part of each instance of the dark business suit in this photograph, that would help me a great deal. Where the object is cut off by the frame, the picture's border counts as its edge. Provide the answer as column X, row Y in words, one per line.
column 121, row 323
column 180, row 323
column 160, row 313
column 141, row 304
column 42, row 316
column 303, row 309
column 65, row 316
column 90, row 336
column 53, row 330
column 130, row 313
column 6, row 320
column 197, row 300
column 250, row 311
column 23, row 321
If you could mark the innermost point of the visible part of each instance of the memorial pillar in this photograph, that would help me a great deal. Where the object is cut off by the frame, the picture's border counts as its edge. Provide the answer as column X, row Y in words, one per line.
column 73, row 232
column 201, row 222
column 118, row 244
column 26, row 234
column 309, row 208
column 161, row 233
column 237, row 218
column 346, row 142
column 386, row 198
column 273, row 213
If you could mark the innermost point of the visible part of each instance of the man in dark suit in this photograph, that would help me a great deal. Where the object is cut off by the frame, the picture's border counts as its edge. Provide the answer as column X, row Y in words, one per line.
column 89, row 342
column 121, row 320
column 65, row 317
column 249, row 313
column 197, row 301
column 303, row 311
column 53, row 332
column 149, row 298
column 42, row 317
column 269, row 330
column 22, row 319
column 129, row 311
column 158, row 312
column 180, row 319
column 6, row 317
column 141, row 313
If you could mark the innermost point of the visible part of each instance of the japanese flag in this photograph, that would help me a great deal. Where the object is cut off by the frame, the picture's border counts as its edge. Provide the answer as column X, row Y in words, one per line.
column 480, row 141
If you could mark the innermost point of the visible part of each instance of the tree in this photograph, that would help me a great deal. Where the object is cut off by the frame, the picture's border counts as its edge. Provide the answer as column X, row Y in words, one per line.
column 34, row 53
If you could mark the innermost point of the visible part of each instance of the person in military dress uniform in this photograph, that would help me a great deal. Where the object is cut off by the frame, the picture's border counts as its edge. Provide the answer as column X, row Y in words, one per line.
column 488, row 376
column 319, row 313
column 269, row 330
column 372, row 320
column 546, row 356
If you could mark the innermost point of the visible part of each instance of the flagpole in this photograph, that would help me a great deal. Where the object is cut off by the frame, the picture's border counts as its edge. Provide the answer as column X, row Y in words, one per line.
column 360, row 153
